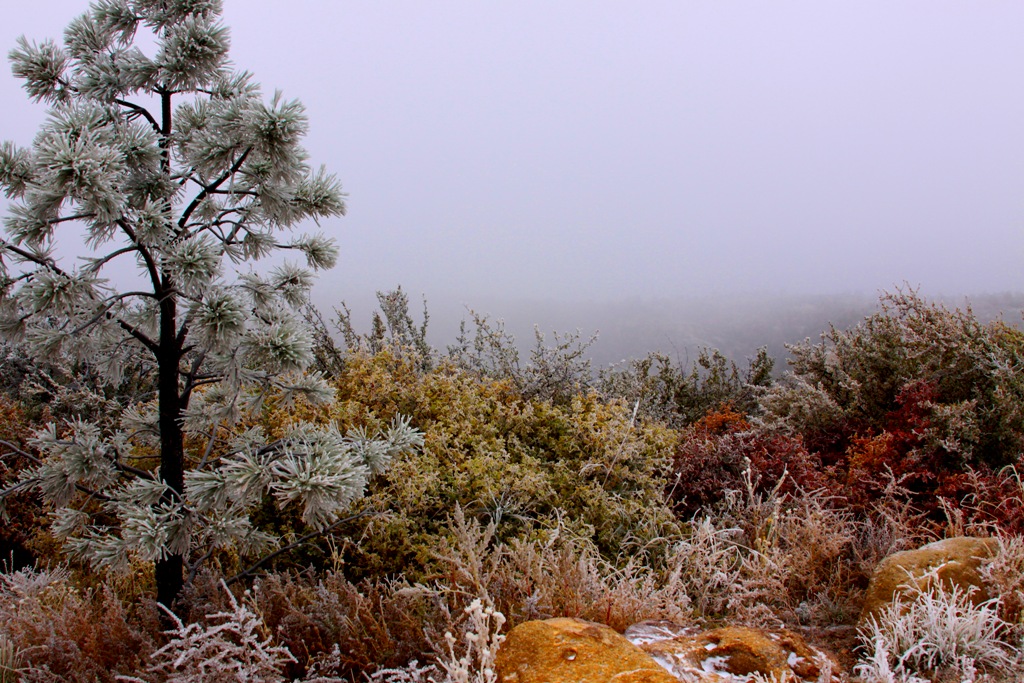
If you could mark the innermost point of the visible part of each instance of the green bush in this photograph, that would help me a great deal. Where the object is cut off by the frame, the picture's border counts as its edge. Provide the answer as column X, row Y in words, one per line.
column 519, row 463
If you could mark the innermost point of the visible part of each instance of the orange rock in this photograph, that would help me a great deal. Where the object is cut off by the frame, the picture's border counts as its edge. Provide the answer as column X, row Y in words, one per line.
column 574, row 651
column 952, row 562
column 734, row 653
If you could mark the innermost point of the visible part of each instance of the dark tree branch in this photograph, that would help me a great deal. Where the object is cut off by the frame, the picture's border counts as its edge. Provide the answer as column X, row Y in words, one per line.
column 295, row 544
column 207, row 190
column 143, row 474
column 96, row 264
column 105, row 307
column 143, row 339
column 191, row 376
column 154, row 274
column 73, row 217
column 209, row 446
column 141, row 111
column 34, row 258
column 15, row 450
column 14, row 489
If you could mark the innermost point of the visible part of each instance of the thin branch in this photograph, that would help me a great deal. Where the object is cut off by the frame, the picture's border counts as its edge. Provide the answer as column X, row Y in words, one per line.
column 14, row 489
column 73, row 217
column 18, row 451
column 191, row 376
column 213, row 187
column 141, row 111
column 34, row 258
column 96, row 264
column 182, row 333
column 295, row 544
column 144, row 474
column 237, row 193
column 195, row 566
column 108, row 304
column 133, row 331
column 209, row 446
column 154, row 274
column 206, row 380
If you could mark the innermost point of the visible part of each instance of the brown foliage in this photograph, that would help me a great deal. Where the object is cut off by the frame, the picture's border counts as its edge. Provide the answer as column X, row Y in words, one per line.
column 69, row 634
column 355, row 627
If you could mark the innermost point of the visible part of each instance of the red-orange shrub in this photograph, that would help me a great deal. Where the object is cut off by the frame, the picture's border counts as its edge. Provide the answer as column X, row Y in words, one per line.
column 713, row 454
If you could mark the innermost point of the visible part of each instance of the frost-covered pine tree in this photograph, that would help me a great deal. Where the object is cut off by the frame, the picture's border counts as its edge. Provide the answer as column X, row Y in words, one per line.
column 172, row 173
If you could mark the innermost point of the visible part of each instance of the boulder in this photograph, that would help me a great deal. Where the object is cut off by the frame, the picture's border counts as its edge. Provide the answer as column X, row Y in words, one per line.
column 573, row 651
column 951, row 562
column 732, row 654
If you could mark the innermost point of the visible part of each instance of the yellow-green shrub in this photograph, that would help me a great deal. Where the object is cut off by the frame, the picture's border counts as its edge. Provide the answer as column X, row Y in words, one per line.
column 520, row 463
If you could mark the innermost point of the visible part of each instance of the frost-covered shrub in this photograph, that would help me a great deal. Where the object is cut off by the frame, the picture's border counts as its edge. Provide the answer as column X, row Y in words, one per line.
column 670, row 393
column 1005, row 577
column 714, row 453
column 916, row 392
column 939, row 631
column 234, row 646
column 519, row 463
column 471, row 663
column 65, row 633
column 970, row 366
column 553, row 371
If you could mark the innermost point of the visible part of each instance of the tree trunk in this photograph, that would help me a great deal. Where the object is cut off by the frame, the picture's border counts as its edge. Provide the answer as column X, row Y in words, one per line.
column 170, row 570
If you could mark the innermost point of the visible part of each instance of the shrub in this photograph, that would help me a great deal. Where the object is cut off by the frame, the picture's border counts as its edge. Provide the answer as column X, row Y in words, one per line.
column 476, row 665
column 519, row 463
column 21, row 513
column 714, row 453
column 555, row 371
column 1004, row 576
column 677, row 396
column 916, row 392
column 235, row 646
column 344, row 629
column 68, row 634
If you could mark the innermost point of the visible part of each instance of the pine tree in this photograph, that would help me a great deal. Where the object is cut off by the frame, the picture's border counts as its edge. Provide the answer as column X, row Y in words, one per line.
column 171, row 170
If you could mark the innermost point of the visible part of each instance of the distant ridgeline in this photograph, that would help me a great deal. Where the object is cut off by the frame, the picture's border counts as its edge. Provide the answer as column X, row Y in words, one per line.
column 735, row 325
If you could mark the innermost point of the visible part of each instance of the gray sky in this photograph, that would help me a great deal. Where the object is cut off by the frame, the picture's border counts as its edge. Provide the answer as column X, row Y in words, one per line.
column 599, row 150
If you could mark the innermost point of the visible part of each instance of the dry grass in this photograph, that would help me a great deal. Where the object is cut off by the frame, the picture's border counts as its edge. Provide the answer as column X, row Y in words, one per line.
column 370, row 624
column 1005, row 577
column 62, row 633
column 940, row 635
column 758, row 558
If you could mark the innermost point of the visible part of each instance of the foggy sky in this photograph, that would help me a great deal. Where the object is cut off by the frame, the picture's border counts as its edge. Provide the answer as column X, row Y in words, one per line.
column 598, row 150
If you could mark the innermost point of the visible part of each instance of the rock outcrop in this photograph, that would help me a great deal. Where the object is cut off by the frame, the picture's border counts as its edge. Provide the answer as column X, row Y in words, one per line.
column 951, row 562
column 732, row 654
column 573, row 651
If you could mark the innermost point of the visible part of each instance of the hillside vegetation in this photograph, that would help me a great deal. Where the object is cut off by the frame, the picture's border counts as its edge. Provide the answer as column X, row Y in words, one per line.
column 705, row 494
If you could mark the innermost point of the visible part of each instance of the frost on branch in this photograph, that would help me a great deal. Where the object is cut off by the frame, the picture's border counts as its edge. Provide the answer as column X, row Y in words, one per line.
column 235, row 646
column 316, row 469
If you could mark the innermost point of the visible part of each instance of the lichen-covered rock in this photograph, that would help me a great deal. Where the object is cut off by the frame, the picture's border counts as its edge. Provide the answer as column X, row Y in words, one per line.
column 573, row 651
column 952, row 562
column 734, row 654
